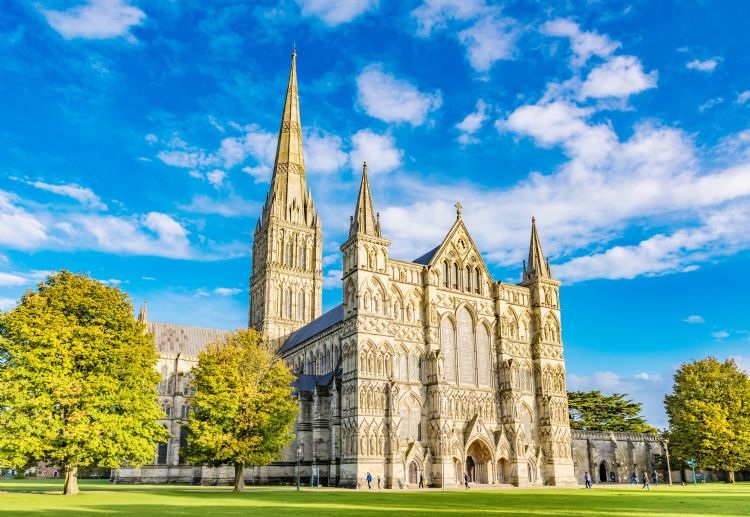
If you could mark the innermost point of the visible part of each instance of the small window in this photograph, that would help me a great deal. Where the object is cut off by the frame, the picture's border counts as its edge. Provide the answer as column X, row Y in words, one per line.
column 455, row 276
column 477, row 281
column 467, row 279
column 446, row 274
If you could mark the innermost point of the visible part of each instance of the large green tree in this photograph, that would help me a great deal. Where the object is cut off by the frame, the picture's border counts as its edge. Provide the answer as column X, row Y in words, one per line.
column 77, row 379
column 593, row 411
column 243, row 408
column 709, row 415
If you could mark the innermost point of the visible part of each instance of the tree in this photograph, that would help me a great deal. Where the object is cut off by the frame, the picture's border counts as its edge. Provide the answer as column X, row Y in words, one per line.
column 709, row 415
column 593, row 411
column 77, row 379
column 243, row 408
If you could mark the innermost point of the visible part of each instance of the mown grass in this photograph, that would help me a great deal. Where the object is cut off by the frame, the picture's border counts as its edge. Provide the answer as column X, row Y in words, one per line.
column 32, row 497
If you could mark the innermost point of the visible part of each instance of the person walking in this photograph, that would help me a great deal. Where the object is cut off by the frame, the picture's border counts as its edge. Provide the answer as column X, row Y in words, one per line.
column 656, row 478
column 466, row 480
column 634, row 479
column 587, row 479
column 369, row 481
column 378, row 481
column 645, row 482
column 421, row 481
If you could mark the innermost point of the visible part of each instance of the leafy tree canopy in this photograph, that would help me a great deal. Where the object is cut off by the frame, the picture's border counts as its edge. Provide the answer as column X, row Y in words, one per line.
column 709, row 415
column 593, row 411
column 243, row 408
column 77, row 379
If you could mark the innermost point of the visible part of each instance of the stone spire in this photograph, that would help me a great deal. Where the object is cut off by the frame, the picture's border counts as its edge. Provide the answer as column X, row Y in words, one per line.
column 143, row 314
column 289, row 198
column 364, row 220
column 536, row 267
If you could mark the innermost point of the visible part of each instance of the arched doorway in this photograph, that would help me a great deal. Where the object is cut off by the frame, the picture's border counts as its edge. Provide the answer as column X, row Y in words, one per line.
column 478, row 462
column 603, row 472
column 471, row 468
column 413, row 474
column 503, row 474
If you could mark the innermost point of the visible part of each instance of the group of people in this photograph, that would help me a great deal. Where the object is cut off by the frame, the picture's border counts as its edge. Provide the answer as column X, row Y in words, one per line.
column 368, row 478
column 646, row 480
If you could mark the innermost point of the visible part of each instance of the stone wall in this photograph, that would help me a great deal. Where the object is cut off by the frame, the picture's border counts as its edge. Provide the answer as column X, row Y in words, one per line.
column 617, row 456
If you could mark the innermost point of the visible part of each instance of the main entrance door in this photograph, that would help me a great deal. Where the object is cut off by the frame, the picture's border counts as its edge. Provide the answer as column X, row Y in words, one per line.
column 479, row 462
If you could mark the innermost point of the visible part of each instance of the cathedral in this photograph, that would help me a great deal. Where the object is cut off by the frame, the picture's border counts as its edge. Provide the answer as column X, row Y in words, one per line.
column 429, row 369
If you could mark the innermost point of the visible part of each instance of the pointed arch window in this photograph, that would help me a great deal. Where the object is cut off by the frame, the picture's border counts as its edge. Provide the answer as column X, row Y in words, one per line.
column 467, row 279
column 288, row 307
column 301, row 305
column 455, row 276
column 477, row 281
column 446, row 274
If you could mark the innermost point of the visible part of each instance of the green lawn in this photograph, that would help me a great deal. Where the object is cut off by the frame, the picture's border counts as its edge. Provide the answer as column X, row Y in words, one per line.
column 31, row 497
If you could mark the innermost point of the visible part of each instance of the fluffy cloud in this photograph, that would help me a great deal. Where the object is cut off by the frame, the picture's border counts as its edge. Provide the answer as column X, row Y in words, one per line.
column 336, row 12
column 490, row 39
column 379, row 151
column 324, row 152
column 19, row 229
column 231, row 206
column 389, row 99
column 693, row 319
column 721, row 334
column 216, row 177
column 227, row 291
column 81, row 194
column 621, row 76
column 472, row 123
column 708, row 65
column 7, row 303
column 332, row 279
column 743, row 98
column 583, row 44
column 11, row 279
column 96, row 19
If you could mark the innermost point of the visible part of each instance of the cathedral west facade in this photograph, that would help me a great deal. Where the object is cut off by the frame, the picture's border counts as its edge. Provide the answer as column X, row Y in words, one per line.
column 429, row 369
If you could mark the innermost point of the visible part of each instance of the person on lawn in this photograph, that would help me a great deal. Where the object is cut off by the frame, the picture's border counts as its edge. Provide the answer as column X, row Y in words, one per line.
column 369, row 481
column 645, row 482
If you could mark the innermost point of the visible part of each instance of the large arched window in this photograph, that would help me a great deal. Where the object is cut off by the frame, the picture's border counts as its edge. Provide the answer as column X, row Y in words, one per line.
column 448, row 348
column 465, row 341
column 483, row 356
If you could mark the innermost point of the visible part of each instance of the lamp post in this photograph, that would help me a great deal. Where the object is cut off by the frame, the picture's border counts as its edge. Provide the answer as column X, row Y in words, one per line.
column 299, row 454
column 665, row 442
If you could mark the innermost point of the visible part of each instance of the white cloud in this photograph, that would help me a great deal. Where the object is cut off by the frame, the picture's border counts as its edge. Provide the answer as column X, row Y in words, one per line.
column 19, row 229
column 389, row 99
column 489, row 40
column 111, row 281
column 583, row 44
column 721, row 334
column 216, row 177
column 154, row 234
column 710, row 103
column 379, row 151
column 227, row 291
column 336, row 12
column 621, row 76
column 743, row 97
column 180, row 154
column 693, row 319
column 743, row 363
column 255, row 143
column 231, row 206
column 707, row 65
column 472, row 123
column 435, row 14
column 148, row 278
column 81, row 194
column 11, row 279
column 7, row 303
column 96, row 19
column 324, row 152
column 332, row 279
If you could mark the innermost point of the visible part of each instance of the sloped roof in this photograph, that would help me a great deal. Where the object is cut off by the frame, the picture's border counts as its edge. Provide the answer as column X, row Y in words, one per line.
column 316, row 326
column 306, row 382
column 184, row 339
column 425, row 259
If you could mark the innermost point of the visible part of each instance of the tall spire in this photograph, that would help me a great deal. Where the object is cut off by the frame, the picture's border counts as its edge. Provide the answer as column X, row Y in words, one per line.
column 143, row 314
column 289, row 196
column 364, row 220
column 536, row 266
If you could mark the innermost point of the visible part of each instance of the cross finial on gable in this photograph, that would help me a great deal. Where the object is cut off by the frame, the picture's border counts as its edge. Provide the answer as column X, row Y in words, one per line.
column 458, row 210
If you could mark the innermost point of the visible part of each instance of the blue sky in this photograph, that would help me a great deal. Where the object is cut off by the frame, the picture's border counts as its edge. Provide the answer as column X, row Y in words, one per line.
column 138, row 139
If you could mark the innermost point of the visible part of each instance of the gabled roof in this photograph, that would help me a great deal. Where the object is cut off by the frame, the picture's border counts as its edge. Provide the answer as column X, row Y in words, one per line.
column 313, row 328
column 308, row 382
column 425, row 259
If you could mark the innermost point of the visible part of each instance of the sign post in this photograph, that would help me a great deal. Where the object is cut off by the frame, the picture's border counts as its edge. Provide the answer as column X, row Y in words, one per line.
column 691, row 462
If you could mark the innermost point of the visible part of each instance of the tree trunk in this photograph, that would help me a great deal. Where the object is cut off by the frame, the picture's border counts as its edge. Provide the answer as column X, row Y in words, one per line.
column 239, row 477
column 71, row 480
column 730, row 476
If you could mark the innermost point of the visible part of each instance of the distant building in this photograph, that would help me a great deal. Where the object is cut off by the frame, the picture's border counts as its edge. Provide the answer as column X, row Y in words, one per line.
column 429, row 368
